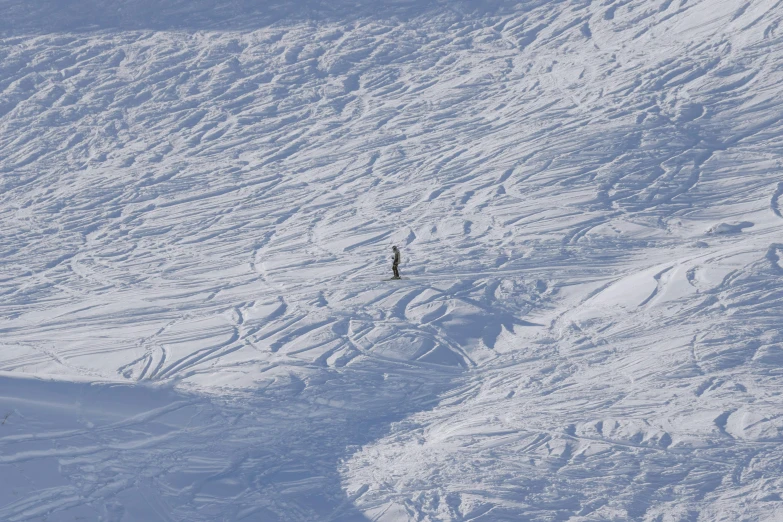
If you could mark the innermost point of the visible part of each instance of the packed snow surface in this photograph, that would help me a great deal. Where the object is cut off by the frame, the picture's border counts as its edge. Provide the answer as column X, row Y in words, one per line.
column 198, row 201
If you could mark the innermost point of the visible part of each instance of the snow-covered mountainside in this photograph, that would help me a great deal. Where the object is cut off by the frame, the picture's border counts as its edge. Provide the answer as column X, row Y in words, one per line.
column 197, row 207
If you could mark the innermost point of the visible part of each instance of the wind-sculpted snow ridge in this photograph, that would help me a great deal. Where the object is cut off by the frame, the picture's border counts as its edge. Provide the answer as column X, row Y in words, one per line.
column 197, row 206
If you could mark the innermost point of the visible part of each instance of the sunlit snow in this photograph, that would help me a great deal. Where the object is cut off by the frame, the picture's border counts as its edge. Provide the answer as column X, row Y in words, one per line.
column 198, row 201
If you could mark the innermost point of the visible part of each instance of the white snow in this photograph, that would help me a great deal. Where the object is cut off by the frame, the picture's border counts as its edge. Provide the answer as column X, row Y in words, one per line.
column 197, row 207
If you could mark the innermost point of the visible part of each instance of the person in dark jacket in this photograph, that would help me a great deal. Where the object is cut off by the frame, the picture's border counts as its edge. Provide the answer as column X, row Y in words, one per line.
column 396, row 263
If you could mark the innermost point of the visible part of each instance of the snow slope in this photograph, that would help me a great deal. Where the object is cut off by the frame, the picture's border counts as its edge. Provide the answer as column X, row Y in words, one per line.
column 197, row 208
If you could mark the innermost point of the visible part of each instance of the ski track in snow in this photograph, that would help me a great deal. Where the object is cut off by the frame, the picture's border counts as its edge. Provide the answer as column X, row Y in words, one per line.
column 196, row 216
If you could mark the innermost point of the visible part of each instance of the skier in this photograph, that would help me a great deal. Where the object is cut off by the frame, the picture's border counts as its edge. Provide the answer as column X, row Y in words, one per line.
column 396, row 263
